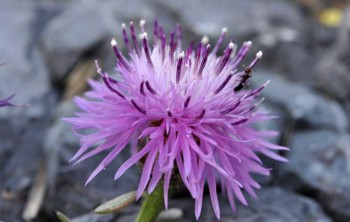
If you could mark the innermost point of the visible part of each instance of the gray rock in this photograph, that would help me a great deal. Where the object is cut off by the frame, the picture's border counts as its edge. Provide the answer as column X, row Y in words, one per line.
column 320, row 161
column 21, row 128
column 123, row 10
column 301, row 103
column 80, row 28
column 273, row 204
column 243, row 19
column 332, row 77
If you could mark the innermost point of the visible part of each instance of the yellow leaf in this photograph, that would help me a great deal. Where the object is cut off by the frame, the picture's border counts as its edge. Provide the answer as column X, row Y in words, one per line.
column 331, row 17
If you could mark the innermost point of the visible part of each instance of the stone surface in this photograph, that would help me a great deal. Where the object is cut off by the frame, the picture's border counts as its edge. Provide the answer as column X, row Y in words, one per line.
column 320, row 161
column 21, row 128
column 305, row 106
column 244, row 19
column 273, row 204
column 77, row 30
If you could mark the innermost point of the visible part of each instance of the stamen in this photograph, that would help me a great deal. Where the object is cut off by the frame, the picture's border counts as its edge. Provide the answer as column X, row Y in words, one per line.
column 223, row 84
column 231, row 108
column 150, row 88
column 155, row 33
column 187, row 101
column 189, row 52
column 224, row 58
column 179, row 35
column 134, row 40
column 172, row 45
column 142, row 91
column 142, row 25
column 205, row 40
column 204, row 61
column 146, row 49
column 105, row 79
column 161, row 32
column 201, row 115
column 138, row 107
column 118, row 55
column 220, row 40
column 258, row 90
column 179, row 64
column 126, row 39
column 99, row 71
column 257, row 58
column 163, row 45
column 241, row 53
column 240, row 121
column 169, row 114
column 198, row 55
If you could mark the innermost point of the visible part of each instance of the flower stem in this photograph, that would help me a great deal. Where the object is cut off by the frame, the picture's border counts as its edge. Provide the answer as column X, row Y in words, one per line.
column 152, row 205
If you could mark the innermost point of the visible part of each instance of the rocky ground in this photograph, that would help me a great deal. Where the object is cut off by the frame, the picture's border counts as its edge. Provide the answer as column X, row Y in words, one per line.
column 47, row 52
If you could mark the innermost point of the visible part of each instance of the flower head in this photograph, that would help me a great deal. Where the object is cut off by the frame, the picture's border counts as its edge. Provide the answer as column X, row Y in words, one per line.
column 183, row 112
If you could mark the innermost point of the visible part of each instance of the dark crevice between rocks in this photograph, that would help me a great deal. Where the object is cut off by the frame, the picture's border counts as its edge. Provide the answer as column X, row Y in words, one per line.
column 285, row 138
column 90, row 54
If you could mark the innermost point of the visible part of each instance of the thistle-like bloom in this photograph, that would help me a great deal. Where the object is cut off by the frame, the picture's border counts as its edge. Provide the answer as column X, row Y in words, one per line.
column 6, row 101
column 184, row 113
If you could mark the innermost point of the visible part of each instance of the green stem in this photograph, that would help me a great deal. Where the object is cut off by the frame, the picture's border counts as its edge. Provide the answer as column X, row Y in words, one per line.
column 152, row 205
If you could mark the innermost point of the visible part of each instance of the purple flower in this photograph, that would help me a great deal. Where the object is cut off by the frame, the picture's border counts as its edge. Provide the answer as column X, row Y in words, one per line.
column 184, row 113
column 6, row 101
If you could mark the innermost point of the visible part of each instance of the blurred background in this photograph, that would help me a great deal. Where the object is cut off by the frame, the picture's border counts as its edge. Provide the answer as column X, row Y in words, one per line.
column 47, row 51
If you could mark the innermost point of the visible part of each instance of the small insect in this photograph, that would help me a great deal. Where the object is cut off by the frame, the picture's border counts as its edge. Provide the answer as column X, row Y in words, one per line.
column 245, row 76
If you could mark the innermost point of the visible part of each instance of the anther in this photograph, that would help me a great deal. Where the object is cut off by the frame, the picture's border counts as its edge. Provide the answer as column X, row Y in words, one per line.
column 146, row 48
column 189, row 52
column 257, row 58
column 221, row 87
column 163, row 45
column 231, row 108
column 155, row 32
column 126, row 39
column 178, row 68
column 198, row 55
column 204, row 61
column 142, row 91
column 187, row 101
column 225, row 58
column 142, row 25
column 205, row 40
column 220, row 40
column 106, row 80
column 133, row 36
column 118, row 55
column 150, row 88
column 201, row 115
column 241, row 53
column 172, row 45
column 138, row 107
column 240, row 121
column 178, row 35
